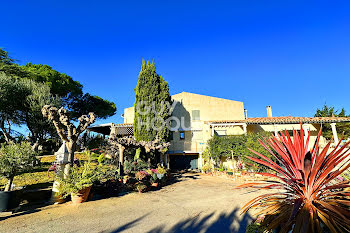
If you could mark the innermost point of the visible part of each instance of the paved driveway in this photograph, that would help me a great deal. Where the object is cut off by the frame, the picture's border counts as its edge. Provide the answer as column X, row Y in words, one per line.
column 194, row 204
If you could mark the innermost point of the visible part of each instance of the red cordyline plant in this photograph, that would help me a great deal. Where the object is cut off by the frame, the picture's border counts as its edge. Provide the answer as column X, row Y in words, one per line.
column 309, row 198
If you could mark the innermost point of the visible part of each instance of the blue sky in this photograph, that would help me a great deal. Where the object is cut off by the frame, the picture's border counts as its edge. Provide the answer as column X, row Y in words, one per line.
column 292, row 55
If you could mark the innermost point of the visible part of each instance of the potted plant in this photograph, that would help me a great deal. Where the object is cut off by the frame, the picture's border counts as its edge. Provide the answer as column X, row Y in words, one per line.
column 78, row 182
column 141, row 187
column 125, row 179
column 154, row 180
column 161, row 171
column 14, row 158
column 140, row 175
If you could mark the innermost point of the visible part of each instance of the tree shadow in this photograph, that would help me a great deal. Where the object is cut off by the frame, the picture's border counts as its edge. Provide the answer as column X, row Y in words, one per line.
column 127, row 225
column 30, row 201
column 19, row 214
column 222, row 223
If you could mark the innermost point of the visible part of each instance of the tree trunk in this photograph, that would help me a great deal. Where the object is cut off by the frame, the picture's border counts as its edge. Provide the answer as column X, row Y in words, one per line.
column 71, row 146
column 35, row 146
column 233, row 162
column 6, row 134
column 121, row 159
column 71, row 149
column 9, row 183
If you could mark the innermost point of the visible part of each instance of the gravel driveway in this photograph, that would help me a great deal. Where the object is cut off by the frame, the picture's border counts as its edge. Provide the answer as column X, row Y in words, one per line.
column 195, row 203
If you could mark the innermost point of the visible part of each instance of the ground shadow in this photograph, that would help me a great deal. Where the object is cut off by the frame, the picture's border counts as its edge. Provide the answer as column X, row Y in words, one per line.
column 19, row 214
column 127, row 225
column 222, row 223
column 31, row 201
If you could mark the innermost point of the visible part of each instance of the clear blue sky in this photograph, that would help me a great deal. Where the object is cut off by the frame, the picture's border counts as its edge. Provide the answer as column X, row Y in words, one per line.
column 292, row 55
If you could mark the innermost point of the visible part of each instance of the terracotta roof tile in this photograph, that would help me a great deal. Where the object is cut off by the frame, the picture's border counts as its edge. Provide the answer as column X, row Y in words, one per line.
column 285, row 120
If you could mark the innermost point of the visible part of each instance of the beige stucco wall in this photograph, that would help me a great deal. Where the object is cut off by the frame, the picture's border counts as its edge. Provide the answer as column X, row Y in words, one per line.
column 196, row 131
column 129, row 115
column 211, row 108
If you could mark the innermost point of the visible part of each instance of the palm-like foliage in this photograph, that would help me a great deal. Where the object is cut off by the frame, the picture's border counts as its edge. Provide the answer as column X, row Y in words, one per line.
column 308, row 197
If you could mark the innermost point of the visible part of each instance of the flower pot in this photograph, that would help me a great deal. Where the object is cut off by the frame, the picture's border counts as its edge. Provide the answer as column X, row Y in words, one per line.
column 57, row 199
column 8, row 200
column 81, row 196
column 155, row 185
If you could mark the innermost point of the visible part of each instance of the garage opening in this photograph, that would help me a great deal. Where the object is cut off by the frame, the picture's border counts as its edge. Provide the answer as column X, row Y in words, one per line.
column 183, row 161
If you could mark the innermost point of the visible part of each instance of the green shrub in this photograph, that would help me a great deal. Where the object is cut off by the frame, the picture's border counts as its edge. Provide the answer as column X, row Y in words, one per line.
column 15, row 158
column 78, row 178
column 236, row 147
column 207, row 167
column 135, row 166
column 255, row 228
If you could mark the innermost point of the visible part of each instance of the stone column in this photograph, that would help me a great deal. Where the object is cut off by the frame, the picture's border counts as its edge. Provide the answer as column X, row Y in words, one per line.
column 245, row 129
column 275, row 129
column 334, row 131
column 306, row 134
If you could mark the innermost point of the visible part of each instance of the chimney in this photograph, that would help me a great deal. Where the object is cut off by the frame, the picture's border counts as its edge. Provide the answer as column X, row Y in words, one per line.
column 269, row 111
column 245, row 113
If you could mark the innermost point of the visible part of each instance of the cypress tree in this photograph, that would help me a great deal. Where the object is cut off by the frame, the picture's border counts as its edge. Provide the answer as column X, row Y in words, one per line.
column 151, row 112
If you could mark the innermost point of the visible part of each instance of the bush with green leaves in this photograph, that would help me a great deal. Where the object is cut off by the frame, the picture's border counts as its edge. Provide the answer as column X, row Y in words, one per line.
column 255, row 228
column 236, row 147
column 135, row 166
column 79, row 177
column 15, row 158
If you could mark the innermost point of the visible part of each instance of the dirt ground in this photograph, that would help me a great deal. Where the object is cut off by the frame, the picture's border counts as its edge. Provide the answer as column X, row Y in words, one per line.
column 195, row 203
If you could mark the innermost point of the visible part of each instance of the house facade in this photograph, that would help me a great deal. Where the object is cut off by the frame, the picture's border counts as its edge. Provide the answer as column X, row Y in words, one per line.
column 196, row 118
column 190, row 132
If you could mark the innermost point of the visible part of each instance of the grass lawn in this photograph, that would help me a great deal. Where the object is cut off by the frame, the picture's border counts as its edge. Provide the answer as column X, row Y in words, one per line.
column 38, row 177
column 35, row 178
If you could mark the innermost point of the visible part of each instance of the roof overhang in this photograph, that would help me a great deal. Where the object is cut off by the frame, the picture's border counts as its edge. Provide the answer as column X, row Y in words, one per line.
column 101, row 128
column 106, row 128
column 281, row 120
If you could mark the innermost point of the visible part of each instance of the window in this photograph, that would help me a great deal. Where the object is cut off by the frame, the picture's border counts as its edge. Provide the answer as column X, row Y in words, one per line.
column 196, row 115
column 182, row 135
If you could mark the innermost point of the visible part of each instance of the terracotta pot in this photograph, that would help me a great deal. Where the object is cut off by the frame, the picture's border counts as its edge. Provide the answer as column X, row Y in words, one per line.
column 57, row 199
column 155, row 184
column 81, row 196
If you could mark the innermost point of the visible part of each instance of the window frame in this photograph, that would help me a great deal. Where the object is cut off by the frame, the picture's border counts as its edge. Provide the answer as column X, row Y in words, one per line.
column 198, row 117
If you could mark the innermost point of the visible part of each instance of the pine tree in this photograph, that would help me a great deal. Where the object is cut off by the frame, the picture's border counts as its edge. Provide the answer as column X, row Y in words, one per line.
column 151, row 110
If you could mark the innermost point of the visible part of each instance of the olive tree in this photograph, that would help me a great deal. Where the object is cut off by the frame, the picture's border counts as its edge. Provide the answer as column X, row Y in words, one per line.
column 67, row 131
column 14, row 158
